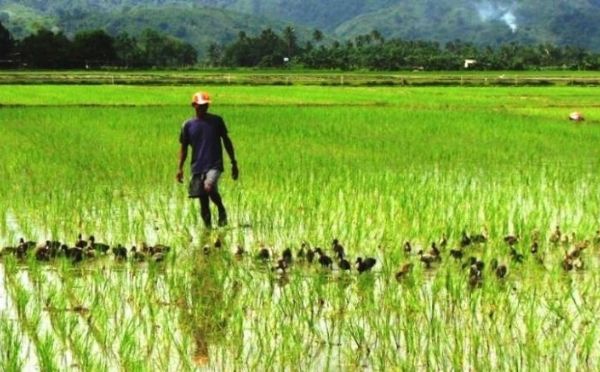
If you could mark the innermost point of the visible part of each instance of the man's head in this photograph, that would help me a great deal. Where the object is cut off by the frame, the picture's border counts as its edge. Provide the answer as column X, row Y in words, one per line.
column 200, row 102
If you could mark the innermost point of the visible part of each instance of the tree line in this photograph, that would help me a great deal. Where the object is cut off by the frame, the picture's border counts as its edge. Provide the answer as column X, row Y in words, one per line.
column 96, row 48
column 373, row 52
column 93, row 49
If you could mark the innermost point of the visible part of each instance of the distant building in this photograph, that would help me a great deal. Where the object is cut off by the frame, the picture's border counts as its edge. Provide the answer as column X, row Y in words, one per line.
column 470, row 62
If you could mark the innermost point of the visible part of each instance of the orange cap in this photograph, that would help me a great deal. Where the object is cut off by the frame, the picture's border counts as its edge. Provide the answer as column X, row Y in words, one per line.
column 200, row 98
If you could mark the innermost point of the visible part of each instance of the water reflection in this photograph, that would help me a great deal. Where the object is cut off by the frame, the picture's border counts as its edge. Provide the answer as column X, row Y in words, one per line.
column 206, row 317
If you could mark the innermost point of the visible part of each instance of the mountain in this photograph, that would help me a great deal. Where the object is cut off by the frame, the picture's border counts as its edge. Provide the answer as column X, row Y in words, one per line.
column 201, row 22
column 198, row 25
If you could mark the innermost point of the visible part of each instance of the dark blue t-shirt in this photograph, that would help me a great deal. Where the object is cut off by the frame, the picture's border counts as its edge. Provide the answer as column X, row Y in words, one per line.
column 204, row 135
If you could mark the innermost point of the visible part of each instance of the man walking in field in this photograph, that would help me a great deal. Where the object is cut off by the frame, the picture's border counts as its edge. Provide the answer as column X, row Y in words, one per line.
column 204, row 134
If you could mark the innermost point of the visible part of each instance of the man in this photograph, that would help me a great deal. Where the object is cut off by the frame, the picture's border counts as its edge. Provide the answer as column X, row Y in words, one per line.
column 204, row 133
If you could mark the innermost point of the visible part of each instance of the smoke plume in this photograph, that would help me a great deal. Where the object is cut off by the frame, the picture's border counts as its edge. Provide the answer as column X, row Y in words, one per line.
column 489, row 11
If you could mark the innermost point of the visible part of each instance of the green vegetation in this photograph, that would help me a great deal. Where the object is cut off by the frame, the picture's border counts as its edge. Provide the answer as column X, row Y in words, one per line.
column 371, row 166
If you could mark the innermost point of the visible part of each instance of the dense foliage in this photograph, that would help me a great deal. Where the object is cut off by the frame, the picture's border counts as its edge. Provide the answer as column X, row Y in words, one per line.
column 95, row 48
column 372, row 51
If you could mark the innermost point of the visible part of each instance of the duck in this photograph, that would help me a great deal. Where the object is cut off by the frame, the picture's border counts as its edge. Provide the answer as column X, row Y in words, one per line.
column 310, row 255
column 240, row 251
column 480, row 238
column 435, row 251
column 161, row 248
column 42, row 253
column 263, row 254
column 287, row 256
column 100, row 247
column 511, row 239
column 443, row 241
column 427, row 259
column 281, row 267
column 501, row 271
column 137, row 255
column 119, row 252
column 365, row 265
column 556, row 235
column 404, row 271
column 324, row 259
column 465, row 239
column 534, row 247
column 302, row 251
column 344, row 265
column 516, row 256
column 456, row 254
column 338, row 249
column 80, row 243
column 407, row 247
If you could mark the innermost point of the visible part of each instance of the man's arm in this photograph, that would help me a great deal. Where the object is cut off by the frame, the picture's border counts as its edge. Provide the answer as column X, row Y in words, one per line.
column 182, row 158
column 231, row 152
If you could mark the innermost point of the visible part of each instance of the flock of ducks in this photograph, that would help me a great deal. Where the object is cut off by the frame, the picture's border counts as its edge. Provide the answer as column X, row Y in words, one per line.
column 84, row 249
column 336, row 258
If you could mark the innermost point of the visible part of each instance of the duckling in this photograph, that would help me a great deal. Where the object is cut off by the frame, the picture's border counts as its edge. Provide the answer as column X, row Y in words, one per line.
column 344, row 265
column 119, row 252
column 27, row 245
column 100, row 247
column 218, row 244
column 158, row 257
column 324, row 259
column 404, row 271
column 501, row 271
column 338, row 249
column 456, row 254
column 206, row 249
column 365, row 265
column 511, row 239
column 287, row 256
column 465, row 239
column 556, row 235
column 475, row 276
column 407, row 247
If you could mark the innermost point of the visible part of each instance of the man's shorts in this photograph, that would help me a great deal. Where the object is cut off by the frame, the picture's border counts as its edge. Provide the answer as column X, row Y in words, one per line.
column 198, row 183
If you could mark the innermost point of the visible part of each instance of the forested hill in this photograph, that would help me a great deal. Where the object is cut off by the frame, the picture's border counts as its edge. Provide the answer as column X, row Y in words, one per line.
column 485, row 22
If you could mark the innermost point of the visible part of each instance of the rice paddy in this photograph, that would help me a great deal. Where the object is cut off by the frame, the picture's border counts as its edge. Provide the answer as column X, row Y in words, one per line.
column 455, row 172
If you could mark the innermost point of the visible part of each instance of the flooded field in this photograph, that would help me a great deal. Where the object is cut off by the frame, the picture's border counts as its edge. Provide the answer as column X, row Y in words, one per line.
column 495, row 191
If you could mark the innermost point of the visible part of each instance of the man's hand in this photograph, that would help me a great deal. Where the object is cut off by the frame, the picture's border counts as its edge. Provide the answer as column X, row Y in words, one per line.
column 179, row 176
column 235, row 173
